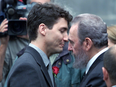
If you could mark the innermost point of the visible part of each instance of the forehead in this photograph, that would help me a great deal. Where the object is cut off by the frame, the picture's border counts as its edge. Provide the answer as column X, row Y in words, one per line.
column 73, row 31
column 61, row 23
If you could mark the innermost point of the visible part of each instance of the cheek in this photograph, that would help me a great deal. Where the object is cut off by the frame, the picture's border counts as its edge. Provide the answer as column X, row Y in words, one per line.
column 57, row 34
column 75, row 48
column 53, row 36
column 57, row 39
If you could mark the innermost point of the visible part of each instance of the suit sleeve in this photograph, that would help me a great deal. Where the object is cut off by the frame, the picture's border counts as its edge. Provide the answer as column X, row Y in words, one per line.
column 25, row 76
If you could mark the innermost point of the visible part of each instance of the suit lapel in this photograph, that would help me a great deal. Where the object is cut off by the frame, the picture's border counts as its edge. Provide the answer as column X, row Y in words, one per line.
column 40, row 62
column 100, row 58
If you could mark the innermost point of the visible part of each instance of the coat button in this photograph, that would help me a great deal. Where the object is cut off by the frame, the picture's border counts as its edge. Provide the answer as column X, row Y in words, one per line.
column 67, row 60
column 59, row 63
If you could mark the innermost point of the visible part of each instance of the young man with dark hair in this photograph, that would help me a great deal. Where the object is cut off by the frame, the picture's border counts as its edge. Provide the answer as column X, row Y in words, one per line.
column 47, row 26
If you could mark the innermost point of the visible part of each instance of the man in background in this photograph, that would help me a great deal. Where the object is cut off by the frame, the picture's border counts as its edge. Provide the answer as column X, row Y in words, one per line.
column 10, row 47
column 109, row 69
column 88, row 41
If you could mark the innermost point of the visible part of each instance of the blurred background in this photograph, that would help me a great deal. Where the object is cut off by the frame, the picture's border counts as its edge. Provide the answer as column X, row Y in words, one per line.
column 106, row 9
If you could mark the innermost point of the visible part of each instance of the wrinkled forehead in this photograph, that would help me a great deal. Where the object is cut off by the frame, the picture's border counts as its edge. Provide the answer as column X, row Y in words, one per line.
column 73, row 31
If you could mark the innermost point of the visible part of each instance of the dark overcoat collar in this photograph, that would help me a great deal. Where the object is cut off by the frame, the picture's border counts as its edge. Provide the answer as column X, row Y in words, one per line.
column 40, row 62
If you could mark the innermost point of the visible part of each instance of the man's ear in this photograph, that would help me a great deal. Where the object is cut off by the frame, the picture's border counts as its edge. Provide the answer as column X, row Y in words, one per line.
column 42, row 29
column 87, row 44
column 105, row 74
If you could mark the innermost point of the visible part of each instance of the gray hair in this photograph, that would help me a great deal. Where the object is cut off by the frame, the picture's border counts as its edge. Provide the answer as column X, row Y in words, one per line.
column 93, row 27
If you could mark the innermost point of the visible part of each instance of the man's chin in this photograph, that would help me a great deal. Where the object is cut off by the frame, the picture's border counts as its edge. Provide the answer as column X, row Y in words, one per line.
column 79, row 66
column 72, row 54
column 80, row 61
column 59, row 50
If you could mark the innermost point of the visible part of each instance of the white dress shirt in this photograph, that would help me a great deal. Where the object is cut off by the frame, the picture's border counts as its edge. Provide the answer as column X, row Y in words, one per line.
column 92, row 60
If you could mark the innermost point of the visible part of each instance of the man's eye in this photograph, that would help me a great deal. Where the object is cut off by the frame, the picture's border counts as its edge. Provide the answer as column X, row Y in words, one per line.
column 62, row 31
column 71, row 42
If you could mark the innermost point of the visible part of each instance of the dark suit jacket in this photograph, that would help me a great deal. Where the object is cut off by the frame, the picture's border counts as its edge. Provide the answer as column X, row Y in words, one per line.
column 94, row 77
column 29, row 71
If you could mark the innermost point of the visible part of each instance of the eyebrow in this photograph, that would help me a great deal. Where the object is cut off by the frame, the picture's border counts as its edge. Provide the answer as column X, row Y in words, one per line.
column 65, row 28
column 70, row 40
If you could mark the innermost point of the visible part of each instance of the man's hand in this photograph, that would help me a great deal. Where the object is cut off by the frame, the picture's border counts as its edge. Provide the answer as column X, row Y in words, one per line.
column 3, row 28
column 3, row 45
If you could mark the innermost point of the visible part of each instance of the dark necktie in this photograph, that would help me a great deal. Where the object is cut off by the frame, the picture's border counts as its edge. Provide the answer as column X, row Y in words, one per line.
column 83, row 76
column 49, row 67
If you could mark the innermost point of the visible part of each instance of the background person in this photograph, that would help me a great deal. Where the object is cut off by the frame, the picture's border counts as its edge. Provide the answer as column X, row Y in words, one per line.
column 10, row 47
column 3, row 47
column 88, row 42
column 111, row 30
column 109, row 69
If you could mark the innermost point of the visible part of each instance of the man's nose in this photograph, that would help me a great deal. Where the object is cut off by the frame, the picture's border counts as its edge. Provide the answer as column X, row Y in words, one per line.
column 69, row 47
column 66, row 37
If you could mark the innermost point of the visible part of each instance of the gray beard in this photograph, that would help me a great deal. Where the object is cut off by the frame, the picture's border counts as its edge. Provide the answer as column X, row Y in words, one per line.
column 81, row 59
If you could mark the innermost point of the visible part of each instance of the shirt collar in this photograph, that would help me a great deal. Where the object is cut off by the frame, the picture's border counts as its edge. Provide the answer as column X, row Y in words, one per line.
column 42, row 54
column 91, row 61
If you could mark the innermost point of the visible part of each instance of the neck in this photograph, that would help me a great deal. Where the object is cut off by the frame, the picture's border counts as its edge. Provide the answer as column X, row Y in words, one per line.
column 40, row 44
column 94, row 51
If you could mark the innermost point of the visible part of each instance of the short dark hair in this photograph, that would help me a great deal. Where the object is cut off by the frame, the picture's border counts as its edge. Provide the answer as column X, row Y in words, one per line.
column 109, row 62
column 48, row 14
column 92, row 26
